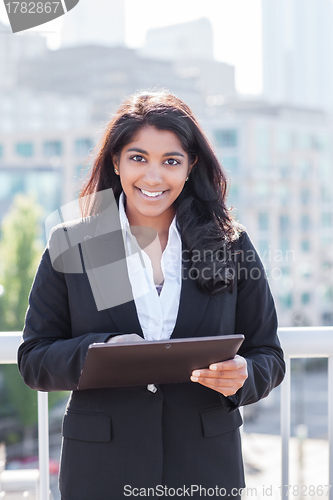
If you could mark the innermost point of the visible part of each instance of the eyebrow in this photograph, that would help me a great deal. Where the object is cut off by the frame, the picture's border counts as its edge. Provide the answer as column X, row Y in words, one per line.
column 173, row 153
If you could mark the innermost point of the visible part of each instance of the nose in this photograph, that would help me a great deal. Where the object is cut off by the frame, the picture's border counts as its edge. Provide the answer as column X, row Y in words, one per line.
column 153, row 175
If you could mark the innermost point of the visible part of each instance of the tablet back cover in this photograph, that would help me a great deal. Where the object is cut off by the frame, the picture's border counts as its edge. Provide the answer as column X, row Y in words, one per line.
column 147, row 362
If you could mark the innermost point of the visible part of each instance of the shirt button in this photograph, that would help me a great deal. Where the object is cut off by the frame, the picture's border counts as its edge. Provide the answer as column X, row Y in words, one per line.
column 157, row 323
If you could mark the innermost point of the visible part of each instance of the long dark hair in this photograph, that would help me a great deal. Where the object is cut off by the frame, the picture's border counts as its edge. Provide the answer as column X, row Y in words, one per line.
column 207, row 227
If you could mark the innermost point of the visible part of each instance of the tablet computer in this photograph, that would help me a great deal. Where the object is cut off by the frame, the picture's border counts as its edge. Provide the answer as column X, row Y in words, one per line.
column 153, row 362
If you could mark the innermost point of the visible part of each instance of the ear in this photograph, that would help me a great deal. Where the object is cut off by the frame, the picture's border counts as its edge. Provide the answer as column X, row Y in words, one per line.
column 194, row 161
column 115, row 160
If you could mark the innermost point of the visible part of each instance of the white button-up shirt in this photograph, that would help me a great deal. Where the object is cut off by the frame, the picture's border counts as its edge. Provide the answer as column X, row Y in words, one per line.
column 157, row 313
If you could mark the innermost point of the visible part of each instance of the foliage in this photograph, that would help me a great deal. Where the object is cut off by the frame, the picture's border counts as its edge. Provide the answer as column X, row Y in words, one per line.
column 20, row 253
column 19, row 256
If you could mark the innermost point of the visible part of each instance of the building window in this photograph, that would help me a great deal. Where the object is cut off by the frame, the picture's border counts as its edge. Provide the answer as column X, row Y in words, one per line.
column 326, row 195
column 305, row 196
column 327, row 319
column 285, row 271
column 284, row 140
column 284, row 245
column 52, row 148
column 83, row 146
column 284, row 222
column 305, row 140
column 286, row 300
column 25, row 149
column 305, row 245
column 233, row 195
column 305, row 169
column 325, row 169
column 284, row 195
column 230, row 163
column 262, row 191
column 305, row 298
column 305, row 270
column 226, row 138
column 263, row 221
column 305, row 222
column 326, row 219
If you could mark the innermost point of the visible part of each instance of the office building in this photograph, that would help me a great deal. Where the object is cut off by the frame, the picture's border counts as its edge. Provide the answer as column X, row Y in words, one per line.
column 279, row 161
column 297, row 52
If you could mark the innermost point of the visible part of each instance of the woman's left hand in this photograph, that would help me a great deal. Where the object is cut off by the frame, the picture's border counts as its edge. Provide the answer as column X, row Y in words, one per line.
column 225, row 377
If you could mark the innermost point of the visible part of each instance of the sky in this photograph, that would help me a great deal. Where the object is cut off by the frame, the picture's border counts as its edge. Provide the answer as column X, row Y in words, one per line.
column 236, row 27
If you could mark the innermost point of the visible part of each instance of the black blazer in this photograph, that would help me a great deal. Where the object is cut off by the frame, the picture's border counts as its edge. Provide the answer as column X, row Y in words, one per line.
column 121, row 438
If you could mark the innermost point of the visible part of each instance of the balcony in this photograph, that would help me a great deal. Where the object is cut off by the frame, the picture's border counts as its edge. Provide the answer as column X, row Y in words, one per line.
column 297, row 342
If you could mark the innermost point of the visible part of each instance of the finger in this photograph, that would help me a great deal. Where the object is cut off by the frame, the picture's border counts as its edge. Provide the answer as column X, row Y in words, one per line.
column 237, row 363
column 216, row 374
column 226, row 390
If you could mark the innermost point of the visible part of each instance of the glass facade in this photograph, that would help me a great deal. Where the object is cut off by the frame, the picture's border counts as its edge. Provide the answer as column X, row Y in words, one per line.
column 233, row 196
column 226, row 138
column 263, row 221
column 230, row 163
column 52, row 148
column 25, row 149
column 284, row 222
column 284, row 140
column 305, row 245
column 286, row 300
column 326, row 219
column 83, row 146
column 305, row 196
column 305, row 222
column 44, row 184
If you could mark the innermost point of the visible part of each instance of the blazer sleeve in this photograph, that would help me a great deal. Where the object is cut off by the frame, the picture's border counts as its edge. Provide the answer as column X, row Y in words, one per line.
column 50, row 359
column 256, row 319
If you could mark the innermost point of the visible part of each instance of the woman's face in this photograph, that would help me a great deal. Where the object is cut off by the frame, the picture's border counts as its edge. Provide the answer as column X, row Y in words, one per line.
column 153, row 169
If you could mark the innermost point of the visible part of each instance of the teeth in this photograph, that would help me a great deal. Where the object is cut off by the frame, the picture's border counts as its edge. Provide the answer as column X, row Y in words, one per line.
column 152, row 195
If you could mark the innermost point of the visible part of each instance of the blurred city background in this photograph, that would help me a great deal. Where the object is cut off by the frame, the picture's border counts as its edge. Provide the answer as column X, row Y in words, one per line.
column 259, row 76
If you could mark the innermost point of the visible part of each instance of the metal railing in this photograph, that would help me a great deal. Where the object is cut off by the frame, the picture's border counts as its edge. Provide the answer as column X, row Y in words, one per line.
column 305, row 342
column 9, row 343
column 297, row 342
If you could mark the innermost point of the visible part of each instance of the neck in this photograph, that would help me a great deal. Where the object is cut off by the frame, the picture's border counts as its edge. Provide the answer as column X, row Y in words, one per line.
column 161, row 223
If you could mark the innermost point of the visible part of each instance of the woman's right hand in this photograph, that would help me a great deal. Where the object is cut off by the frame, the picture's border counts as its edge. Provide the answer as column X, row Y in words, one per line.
column 127, row 337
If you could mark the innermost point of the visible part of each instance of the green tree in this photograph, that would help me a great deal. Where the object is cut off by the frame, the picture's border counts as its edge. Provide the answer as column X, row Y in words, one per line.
column 19, row 256
column 20, row 252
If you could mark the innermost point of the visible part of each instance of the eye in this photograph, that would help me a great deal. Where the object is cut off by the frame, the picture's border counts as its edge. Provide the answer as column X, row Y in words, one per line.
column 176, row 162
column 137, row 158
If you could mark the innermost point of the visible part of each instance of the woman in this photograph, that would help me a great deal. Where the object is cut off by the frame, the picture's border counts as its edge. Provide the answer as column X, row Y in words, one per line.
column 199, row 275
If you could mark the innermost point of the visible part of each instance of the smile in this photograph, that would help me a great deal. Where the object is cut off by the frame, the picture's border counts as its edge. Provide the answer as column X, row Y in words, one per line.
column 151, row 194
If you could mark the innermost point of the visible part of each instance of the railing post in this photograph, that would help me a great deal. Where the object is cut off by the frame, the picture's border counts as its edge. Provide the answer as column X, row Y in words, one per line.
column 330, row 424
column 285, row 429
column 43, row 446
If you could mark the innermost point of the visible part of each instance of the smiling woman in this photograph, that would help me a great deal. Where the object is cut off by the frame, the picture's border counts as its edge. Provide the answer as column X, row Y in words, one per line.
column 198, row 276
column 153, row 178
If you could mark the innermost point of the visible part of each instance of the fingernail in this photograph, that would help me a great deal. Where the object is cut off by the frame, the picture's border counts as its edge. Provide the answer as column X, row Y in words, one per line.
column 213, row 367
column 196, row 373
column 195, row 379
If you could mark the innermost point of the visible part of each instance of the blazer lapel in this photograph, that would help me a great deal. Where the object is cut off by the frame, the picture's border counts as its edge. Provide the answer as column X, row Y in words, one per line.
column 105, row 262
column 192, row 305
